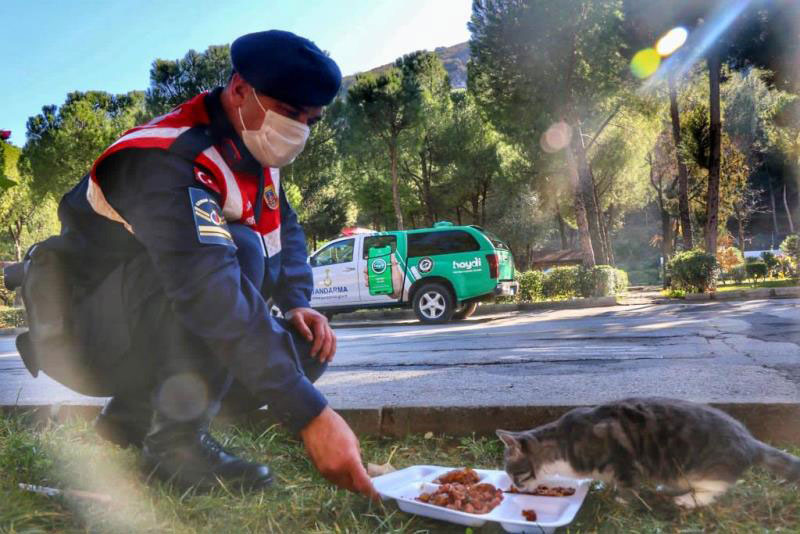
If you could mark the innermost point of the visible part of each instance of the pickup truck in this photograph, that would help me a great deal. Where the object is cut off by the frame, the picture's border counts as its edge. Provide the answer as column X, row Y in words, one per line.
column 441, row 272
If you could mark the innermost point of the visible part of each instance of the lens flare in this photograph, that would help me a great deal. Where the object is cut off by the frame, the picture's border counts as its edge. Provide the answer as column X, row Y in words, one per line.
column 556, row 137
column 671, row 41
column 645, row 63
column 183, row 397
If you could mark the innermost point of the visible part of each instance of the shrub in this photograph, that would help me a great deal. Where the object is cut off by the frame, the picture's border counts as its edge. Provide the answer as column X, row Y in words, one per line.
column 6, row 296
column 561, row 282
column 738, row 274
column 771, row 261
column 785, row 266
column 756, row 270
column 791, row 247
column 693, row 270
column 597, row 281
column 12, row 317
column 622, row 281
column 729, row 257
column 602, row 281
column 530, row 286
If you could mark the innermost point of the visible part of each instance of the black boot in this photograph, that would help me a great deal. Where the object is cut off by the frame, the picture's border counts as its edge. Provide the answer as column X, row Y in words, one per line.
column 124, row 422
column 186, row 455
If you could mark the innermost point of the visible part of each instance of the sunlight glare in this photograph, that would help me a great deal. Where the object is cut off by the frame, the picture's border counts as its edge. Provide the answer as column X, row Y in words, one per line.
column 645, row 63
column 556, row 138
column 671, row 41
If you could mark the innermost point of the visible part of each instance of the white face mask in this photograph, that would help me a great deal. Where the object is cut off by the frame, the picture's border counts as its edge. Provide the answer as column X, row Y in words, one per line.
column 279, row 139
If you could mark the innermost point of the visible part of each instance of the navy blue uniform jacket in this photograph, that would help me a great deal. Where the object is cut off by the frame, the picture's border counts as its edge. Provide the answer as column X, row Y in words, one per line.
column 149, row 188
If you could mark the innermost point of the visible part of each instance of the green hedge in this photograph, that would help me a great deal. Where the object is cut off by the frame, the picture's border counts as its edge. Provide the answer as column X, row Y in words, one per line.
column 560, row 282
column 12, row 317
column 693, row 270
column 756, row 269
column 530, row 286
column 570, row 282
column 6, row 296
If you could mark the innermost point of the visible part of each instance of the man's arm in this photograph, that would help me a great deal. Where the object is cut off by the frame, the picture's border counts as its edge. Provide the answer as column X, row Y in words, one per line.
column 295, row 279
column 292, row 291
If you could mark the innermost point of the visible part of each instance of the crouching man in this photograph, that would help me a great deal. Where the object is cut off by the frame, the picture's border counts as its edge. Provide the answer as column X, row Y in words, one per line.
column 155, row 292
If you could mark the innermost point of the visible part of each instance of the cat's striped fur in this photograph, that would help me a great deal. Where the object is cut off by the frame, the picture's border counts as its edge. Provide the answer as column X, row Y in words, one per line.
column 693, row 451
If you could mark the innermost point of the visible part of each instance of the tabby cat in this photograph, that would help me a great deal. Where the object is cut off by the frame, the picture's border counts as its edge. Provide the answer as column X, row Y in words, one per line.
column 693, row 452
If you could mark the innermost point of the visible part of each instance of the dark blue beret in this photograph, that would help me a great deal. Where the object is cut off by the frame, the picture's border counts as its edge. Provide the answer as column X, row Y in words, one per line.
column 287, row 67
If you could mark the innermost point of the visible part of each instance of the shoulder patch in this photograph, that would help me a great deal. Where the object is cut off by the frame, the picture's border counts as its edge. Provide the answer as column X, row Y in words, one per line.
column 208, row 220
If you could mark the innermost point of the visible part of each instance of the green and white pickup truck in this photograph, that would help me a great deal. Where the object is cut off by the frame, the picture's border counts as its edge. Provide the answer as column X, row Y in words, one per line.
column 441, row 272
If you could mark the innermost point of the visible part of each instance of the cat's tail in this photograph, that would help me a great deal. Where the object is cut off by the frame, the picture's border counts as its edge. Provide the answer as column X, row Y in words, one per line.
column 780, row 463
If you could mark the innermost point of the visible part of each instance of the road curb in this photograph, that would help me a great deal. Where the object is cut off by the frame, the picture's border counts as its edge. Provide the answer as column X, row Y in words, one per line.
column 756, row 293
column 767, row 421
column 486, row 309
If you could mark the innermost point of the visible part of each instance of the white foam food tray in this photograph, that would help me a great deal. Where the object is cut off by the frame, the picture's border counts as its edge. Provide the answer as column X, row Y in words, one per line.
column 406, row 485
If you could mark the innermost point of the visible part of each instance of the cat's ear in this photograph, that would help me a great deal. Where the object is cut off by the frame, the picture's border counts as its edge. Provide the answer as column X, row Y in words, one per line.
column 509, row 438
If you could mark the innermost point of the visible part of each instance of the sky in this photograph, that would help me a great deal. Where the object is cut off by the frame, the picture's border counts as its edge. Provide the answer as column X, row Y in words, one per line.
column 53, row 47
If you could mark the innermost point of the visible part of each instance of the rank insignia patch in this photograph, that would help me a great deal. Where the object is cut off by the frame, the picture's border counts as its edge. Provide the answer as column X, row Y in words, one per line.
column 270, row 197
column 208, row 220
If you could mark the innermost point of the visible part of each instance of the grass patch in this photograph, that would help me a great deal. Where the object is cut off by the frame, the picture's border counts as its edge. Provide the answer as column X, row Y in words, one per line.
column 72, row 456
column 786, row 282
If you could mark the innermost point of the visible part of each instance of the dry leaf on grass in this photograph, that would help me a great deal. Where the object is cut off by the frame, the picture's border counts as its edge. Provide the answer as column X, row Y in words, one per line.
column 376, row 470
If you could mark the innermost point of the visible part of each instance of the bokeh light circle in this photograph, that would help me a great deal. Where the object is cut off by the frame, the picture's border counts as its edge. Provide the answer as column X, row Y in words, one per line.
column 556, row 138
column 671, row 41
column 645, row 63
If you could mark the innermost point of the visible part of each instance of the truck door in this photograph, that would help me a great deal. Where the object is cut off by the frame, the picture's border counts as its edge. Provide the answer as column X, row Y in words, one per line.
column 396, row 263
column 335, row 276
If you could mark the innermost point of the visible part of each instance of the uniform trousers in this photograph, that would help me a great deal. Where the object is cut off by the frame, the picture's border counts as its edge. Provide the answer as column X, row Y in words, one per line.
column 150, row 361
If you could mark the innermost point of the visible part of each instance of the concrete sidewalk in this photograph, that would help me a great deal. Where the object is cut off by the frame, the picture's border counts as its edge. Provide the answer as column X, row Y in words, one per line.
column 519, row 369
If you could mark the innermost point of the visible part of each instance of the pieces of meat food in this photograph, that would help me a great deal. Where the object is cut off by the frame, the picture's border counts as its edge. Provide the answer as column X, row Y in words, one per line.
column 460, row 476
column 529, row 515
column 460, row 490
column 545, row 491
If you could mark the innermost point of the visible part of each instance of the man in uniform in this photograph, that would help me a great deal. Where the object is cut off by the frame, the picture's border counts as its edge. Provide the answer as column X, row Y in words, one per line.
column 172, row 244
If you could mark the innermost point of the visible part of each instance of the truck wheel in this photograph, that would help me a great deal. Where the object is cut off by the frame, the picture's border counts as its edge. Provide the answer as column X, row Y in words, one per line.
column 433, row 304
column 465, row 311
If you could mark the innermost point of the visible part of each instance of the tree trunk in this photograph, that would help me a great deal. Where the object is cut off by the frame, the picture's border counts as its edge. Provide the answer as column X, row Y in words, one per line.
column 586, row 188
column 16, row 235
column 740, row 224
column 584, row 237
column 601, row 224
column 396, row 186
column 715, row 134
column 561, row 229
column 683, row 175
column 483, row 204
column 666, row 221
column 611, row 213
column 788, row 212
column 666, row 241
column 775, row 230
column 475, row 201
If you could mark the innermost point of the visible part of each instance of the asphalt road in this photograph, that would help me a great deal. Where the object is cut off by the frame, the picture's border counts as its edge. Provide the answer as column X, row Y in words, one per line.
column 711, row 352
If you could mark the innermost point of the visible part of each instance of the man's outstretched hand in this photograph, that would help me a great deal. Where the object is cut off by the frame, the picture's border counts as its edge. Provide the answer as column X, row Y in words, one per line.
column 314, row 326
column 335, row 452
